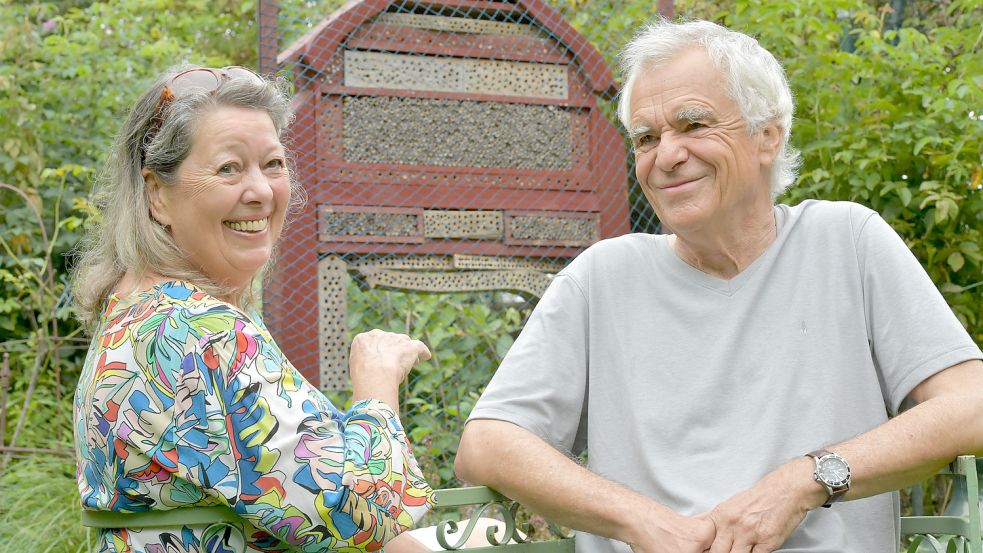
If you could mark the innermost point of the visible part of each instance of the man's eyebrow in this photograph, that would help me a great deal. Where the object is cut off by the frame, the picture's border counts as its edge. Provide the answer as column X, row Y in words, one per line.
column 638, row 130
column 693, row 113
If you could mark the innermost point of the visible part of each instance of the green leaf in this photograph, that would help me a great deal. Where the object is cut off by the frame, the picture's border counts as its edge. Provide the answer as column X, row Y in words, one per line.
column 502, row 345
column 904, row 193
column 956, row 261
column 950, row 288
column 922, row 142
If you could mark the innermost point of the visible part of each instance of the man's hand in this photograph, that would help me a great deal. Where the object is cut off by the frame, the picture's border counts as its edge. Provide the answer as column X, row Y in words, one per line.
column 669, row 532
column 760, row 519
column 380, row 361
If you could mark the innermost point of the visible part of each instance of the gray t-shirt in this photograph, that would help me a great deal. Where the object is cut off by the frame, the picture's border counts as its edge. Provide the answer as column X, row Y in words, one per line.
column 689, row 388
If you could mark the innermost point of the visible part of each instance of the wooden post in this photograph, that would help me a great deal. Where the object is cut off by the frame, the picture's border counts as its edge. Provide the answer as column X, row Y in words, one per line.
column 269, row 14
column 666, row 9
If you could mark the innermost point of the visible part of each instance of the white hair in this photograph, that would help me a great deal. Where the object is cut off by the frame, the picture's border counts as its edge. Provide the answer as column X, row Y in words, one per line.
column 127, row 238
column 755, row 80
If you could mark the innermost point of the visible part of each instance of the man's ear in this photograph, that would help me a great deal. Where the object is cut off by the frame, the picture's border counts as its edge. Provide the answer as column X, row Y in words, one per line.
column 158, row 206
column 771, row 143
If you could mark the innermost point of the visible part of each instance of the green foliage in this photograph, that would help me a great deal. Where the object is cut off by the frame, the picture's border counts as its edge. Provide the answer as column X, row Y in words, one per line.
column 68, row 72
column 468, row 334
column 893, row 125
column 39, row 508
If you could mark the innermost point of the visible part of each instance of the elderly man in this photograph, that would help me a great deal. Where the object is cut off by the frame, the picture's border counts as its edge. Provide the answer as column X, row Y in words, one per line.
column 730, row 379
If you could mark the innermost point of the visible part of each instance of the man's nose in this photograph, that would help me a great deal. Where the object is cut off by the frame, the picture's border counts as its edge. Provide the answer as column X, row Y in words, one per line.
column 670, row 153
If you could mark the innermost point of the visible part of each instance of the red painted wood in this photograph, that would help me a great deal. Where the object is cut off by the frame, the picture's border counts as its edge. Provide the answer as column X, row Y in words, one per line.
column 496, row 181
column 474, row 5
column 450, row 247
column 666, row 9
column 269, row 12
column 342, row 90
column 315, row 47
column 396, row 38
column 451, row 197
column 609, row 168
column 293, row 282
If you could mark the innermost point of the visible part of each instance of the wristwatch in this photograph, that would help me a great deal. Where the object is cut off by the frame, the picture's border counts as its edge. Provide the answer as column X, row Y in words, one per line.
column 833, row 473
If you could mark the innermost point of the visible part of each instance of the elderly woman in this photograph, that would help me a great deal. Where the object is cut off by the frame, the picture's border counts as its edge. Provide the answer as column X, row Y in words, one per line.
column 185, row 400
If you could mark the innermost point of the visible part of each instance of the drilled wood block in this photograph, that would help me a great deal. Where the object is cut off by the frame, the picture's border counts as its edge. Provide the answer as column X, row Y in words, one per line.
column 457, row 24
column 333, row 322
column 369, row 224
column 433, row 262
column 456, row 133
column 474, row 225
column 522, row 280
column 469, row 76
column 551, row 229
column 498, row 262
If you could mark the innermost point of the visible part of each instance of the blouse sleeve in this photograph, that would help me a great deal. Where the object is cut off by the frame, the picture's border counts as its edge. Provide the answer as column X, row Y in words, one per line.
column 252, row 429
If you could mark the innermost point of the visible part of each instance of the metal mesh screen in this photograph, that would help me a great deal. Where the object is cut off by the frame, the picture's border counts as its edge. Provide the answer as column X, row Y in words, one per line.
column 456, row 154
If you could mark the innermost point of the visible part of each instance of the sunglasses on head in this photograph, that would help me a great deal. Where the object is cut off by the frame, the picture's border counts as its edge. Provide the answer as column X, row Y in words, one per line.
column 199, row 79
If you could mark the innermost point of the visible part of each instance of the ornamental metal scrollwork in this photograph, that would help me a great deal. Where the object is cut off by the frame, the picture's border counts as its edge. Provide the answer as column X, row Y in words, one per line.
column 449, row 527
column 954, row 544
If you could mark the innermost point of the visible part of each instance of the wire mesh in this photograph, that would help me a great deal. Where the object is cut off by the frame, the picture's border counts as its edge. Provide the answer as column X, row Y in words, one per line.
column 456, row 154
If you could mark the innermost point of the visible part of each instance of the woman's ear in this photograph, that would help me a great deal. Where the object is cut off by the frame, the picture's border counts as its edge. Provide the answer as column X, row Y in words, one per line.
column 158, row 205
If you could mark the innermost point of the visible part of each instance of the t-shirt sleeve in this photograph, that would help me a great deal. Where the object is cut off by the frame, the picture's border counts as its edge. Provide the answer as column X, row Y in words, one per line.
column 256, row 432
column 912, row 331
column 541, row 384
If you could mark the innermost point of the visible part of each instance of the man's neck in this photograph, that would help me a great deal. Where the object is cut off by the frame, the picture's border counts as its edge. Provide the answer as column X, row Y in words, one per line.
column 725, row 254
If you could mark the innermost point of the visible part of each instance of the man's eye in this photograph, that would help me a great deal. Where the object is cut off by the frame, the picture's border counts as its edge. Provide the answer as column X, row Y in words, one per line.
column 227, row 169
column 693, row 125
column 647, row 140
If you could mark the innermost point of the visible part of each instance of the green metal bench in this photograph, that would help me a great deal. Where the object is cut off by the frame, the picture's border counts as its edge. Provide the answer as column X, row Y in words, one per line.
column 958, row 532
column 486, row 500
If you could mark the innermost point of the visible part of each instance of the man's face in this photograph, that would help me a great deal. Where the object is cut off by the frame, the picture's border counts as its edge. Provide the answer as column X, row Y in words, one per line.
column 696, row 163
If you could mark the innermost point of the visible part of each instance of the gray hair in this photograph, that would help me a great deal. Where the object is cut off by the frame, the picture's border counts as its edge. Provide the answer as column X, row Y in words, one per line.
column 128, row 238
column 755, row 80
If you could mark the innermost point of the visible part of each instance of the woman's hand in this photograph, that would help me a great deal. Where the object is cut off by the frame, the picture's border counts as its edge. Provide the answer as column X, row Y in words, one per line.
column 380, row 361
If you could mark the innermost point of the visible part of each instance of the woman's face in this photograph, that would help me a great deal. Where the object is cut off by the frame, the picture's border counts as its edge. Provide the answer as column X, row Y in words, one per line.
column 227, row 207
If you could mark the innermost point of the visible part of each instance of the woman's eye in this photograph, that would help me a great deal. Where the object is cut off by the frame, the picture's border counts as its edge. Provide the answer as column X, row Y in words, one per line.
column 227, row 169
column 275, row 164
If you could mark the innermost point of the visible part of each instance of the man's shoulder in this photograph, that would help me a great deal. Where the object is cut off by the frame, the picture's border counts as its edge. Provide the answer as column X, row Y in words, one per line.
column 630, row 245
column 829, row 217
column 827, row 210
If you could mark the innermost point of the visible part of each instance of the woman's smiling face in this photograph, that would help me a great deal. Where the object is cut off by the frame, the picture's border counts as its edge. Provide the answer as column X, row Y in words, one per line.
column 227, row 206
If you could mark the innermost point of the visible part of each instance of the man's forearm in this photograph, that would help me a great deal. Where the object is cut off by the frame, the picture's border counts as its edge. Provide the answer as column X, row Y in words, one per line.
column 916, row 443
column 520, row 465
column 525, row 468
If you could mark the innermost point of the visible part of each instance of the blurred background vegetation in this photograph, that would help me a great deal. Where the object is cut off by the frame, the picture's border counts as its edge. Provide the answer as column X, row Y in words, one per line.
column 890, row 114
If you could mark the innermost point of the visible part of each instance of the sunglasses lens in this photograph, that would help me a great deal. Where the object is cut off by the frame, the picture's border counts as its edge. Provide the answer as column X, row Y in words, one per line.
column 196, row 79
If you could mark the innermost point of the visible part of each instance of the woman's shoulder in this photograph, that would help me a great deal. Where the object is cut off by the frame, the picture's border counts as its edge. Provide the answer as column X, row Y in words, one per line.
column 173, row 309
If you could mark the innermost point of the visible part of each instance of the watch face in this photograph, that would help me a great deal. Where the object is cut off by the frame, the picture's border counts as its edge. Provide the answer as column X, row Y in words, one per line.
column 834, row 471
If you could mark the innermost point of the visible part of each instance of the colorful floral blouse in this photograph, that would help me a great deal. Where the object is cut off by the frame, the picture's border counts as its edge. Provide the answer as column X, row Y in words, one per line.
column 185, row 400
